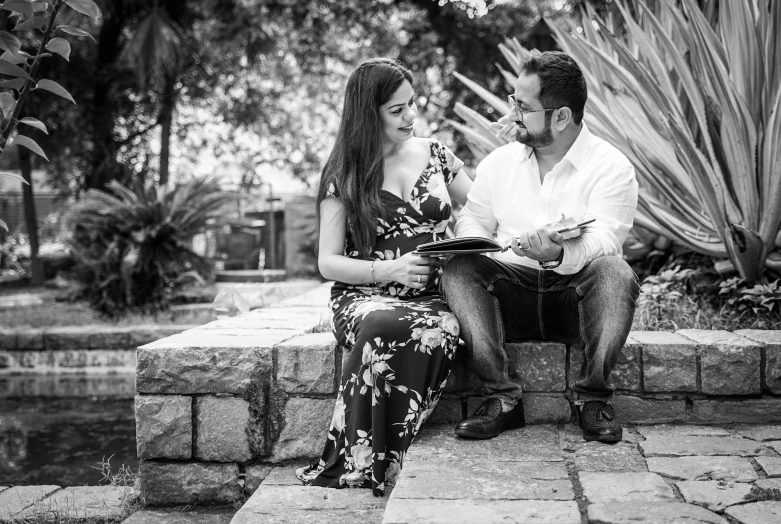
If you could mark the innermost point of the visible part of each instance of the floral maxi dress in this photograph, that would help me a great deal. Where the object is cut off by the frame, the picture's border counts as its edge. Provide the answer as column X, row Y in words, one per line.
column 401, row 344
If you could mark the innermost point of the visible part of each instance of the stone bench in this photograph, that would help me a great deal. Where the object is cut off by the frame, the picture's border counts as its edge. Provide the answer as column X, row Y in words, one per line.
column 218, row 406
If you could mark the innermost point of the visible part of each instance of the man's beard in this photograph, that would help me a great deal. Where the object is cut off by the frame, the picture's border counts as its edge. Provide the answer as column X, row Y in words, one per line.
column 536, row 140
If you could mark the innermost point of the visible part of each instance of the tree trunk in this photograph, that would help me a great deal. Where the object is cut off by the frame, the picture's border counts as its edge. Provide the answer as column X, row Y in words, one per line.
column 104, row 166
column 30, row 217
column 166, row 119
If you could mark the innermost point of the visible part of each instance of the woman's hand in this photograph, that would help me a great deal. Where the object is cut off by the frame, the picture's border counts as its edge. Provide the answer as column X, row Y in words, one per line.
column 411, row 270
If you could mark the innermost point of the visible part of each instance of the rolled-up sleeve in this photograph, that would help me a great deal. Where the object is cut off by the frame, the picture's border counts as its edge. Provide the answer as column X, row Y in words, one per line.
column 612, row 202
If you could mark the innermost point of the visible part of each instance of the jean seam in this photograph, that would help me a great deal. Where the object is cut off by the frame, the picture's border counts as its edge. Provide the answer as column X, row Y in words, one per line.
column 540, row 315
column 583, row 341
column 502, row 347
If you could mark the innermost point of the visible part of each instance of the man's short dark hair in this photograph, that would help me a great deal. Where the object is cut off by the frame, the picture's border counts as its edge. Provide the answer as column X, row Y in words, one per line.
column 561, row 81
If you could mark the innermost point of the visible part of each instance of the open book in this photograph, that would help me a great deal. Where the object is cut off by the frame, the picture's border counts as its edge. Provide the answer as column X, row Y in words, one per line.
column 466, row 245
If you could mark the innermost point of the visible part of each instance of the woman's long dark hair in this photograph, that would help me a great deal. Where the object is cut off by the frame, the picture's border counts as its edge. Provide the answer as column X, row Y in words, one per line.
column 355, row 165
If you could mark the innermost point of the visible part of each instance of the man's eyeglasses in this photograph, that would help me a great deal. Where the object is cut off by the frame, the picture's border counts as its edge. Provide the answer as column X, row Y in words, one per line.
column 520, row 112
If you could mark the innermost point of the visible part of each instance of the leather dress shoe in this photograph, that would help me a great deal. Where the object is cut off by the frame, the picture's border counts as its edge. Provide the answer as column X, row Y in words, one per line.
column 488, row 420
column 598, row 422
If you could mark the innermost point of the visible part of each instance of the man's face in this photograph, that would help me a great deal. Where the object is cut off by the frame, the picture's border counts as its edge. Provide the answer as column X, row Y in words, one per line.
column 535, row 130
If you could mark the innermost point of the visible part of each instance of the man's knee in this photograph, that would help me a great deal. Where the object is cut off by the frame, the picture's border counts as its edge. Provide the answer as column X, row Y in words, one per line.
column 613, row 272
column 461, row 269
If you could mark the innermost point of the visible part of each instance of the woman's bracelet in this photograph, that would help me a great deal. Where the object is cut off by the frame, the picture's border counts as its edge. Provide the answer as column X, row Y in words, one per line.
column 374, row 281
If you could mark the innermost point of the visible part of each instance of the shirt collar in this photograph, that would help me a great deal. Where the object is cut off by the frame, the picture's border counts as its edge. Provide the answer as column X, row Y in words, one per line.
column 577, row 151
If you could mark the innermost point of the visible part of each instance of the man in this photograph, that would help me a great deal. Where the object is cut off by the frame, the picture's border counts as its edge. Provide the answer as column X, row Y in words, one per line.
column 576, row 291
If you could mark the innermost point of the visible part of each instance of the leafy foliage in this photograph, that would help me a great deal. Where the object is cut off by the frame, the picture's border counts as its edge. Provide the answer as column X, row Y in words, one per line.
column 693, row 98
column 134, row 243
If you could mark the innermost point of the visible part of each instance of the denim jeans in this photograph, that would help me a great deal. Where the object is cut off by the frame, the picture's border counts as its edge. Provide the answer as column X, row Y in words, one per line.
column 496, row 303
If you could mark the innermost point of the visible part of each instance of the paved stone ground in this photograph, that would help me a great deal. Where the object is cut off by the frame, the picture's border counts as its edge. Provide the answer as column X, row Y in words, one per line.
column 548, row 474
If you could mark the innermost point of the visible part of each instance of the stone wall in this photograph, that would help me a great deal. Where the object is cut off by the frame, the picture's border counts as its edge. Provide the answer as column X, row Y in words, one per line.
column 219, row 405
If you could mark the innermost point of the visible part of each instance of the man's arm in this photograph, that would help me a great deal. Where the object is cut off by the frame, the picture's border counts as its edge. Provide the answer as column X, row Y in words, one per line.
column 477, row 217
column 613, row 204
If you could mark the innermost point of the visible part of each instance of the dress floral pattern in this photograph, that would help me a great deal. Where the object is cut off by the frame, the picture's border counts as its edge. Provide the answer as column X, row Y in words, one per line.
column 401, row 344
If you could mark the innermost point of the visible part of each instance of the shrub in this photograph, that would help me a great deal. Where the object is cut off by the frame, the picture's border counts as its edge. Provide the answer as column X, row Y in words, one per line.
column 133, row 244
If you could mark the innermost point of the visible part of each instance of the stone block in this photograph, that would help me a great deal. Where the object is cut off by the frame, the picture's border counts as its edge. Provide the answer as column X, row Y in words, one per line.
column 68, row 337
column 772, row 342
column 180, row 483
column 203, row 363
column 254, row 475
column 196, row 515
column 639, row 410
column 81, row 504
column 651, row 513
column 164, row 427
column 310, row 505
column 307, row 364
column 539, row 408
column 416, row 511
column 306, row 421
column 763, row 512
column 729, row 363
column 447, row 411
column 222, row 429
column 484, row 480
column 438, row 444
column 755, row 411
column 669, row 361
column 727, row 469
column 617, row 458
column 771, row 466
column 539, row 366
column 150, row 333
column 301, row 319
column 14, row 499
column 7, row 339
column 625, row 487
column 662, row 445
column 755, row 432
column 462, row 379
column 109, row 338
column 674, row 431
column 29, row 339
column 714, row 495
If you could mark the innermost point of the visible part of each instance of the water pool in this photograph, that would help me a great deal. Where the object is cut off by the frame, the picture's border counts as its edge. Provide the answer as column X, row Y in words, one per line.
column 51, row 439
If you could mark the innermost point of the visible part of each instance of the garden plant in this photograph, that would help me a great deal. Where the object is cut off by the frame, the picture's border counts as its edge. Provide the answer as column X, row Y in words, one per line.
column 692, row 95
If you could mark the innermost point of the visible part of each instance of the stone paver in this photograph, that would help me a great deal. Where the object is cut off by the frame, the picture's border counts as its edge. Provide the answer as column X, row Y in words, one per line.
column 776, row 445
column 188, row 483
column 624, row 487
column 770, row 465
column 765, row 512
column 310, row 505
column 666, row 430
column 714, row 495
column 651, row 513
column 759, row 432
column 658, row 445
column 482, row 480
column 196, row 516
column 529, row 444
column 595, row 456
column 734, row 469
column 79, row 503
column 484, row 512
column 16, row 499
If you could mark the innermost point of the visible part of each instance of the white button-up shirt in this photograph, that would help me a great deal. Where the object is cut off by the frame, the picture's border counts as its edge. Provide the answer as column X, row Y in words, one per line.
column 593, row 180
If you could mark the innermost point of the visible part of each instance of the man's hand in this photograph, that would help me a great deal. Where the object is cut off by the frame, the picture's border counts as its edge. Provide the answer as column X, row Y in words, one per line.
column 543, row 244
column 506, row 128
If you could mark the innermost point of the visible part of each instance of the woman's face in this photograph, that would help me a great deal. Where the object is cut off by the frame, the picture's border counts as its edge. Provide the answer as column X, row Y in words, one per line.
column 398, row 114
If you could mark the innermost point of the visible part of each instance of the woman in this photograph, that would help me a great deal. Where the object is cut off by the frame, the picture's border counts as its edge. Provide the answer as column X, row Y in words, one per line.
column 382, row 193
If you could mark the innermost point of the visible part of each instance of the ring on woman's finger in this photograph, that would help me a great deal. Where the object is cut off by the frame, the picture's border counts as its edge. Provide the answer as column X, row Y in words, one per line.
column 418, row 279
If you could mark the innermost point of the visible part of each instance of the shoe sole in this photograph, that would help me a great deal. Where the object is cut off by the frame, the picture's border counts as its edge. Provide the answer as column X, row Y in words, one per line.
column 602, row 439
column 469, row 434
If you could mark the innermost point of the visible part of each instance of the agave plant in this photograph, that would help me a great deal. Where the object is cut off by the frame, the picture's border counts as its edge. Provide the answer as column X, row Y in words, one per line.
column 692, row 96
column 134, row 243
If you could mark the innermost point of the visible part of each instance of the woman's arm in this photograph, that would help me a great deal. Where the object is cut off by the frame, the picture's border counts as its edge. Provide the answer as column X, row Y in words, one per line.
column 334, row 265
column 459, row 187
